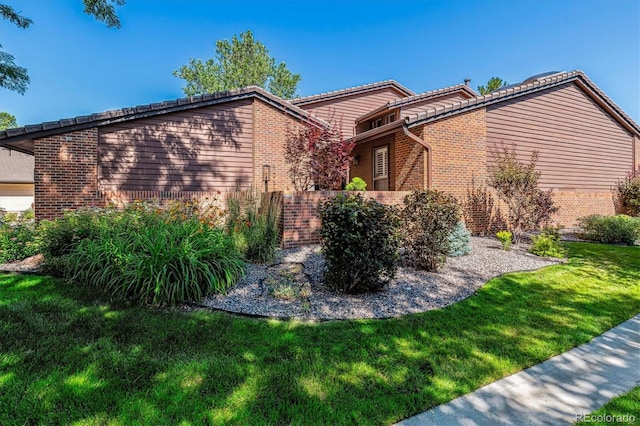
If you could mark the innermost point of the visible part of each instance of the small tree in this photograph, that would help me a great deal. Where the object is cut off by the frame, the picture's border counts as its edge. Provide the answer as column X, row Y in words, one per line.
column 7, row 121
column 318, row 154
column 516, row 184
column 493, row 84
column 627, row 193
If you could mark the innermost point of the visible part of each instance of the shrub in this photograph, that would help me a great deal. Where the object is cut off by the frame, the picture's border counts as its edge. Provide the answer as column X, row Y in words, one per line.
column 356, row 184
column 480, row 214
column 359, row 243
column 17, row 240
column 505, row 238
column 459, row 241
column 428, row 219
column 610, row 229
column 146, row 253
column 627, row 194
column 516, row 184
column 57, row 238
column 252, row 218
column 547, row 245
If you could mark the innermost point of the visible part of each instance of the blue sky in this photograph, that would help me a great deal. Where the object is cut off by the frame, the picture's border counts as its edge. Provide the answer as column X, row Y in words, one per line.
column 78, row 66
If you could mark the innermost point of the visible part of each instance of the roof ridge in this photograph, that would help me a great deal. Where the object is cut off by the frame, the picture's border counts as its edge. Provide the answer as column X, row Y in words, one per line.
column 349, row 90
column 430, row 94
column 419, row 97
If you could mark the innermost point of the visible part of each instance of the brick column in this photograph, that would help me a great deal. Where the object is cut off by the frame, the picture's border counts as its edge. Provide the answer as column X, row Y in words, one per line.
column 66, row 172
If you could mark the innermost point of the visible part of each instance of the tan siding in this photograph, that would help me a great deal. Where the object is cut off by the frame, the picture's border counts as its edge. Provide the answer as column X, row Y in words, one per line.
column 581, row 148
column 431, row 103
column 204, row 149
column 353, row 106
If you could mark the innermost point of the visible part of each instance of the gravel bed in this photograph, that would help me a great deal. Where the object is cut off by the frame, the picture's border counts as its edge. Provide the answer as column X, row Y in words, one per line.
column 412, row 291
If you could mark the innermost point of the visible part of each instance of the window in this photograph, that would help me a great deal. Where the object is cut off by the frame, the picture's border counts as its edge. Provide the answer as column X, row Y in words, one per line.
column 381, row 169
column 377, row 122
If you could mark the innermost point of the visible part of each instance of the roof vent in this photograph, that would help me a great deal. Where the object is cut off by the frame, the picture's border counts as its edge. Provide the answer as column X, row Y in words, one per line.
column 541, row 76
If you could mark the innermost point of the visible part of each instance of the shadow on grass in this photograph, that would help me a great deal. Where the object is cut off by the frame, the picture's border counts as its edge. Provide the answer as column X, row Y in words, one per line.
column 65, row 358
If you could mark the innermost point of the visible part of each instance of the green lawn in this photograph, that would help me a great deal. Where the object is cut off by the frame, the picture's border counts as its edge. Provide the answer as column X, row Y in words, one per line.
column 623, row 410
column 66, row 359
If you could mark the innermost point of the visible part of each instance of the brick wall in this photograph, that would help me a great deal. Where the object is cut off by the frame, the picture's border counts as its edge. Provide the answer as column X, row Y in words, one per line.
column 65, row 172
column 578, row 204
column 410, row 167
column 300, row 218
column 459, row 151
column 270, row 133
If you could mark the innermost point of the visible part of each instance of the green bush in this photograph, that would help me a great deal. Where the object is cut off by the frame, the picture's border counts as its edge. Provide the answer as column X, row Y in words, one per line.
column 428, row 219
column 252, row 219
column 610, row 229
column 17, row 240
column 459, row 241
column 547, row 245
column 627, row 192
column 356, row 184
column 359, row 243
column 506, row 238
column 168, row 263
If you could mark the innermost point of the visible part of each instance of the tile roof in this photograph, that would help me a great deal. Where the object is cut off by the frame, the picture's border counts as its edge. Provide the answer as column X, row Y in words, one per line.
column 351, row 90
column 515, row 91
column 15, row 167
column 420, row 97
column 124, row 114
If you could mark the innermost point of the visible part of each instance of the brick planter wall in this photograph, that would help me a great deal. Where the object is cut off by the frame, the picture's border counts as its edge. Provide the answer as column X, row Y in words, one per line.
column 300, row 218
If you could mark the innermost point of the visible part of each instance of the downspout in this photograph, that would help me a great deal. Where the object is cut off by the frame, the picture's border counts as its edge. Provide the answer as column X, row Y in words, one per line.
column 406, row 131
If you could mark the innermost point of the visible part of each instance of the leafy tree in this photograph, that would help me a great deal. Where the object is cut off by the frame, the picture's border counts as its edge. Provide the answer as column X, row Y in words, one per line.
column 516, row 184
column 16, row 78
column 318, row 155
column 493, row 84
column 7, row 121
column 241, row 62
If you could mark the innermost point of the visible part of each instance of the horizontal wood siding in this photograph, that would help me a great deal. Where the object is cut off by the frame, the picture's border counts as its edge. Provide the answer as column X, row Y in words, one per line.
column 205, row 149
column 432, row 103
column 353, row 106
column 581, row 148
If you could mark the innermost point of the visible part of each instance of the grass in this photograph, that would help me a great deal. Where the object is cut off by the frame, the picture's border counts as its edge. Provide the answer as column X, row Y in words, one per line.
column 618, row 411
column 67, row 359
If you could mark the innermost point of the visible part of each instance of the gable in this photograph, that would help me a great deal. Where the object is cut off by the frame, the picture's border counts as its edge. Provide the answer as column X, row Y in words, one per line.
column 581, row 146
column 352, row 106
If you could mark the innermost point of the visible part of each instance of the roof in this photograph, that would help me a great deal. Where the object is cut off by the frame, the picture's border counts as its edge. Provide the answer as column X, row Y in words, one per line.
column 419, row 98
column 352, row 90
column 523, row 89
column 21, row 138
column 15, row 167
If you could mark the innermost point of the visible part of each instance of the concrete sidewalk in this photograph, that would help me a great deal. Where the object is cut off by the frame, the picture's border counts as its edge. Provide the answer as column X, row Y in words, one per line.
column 552, row 393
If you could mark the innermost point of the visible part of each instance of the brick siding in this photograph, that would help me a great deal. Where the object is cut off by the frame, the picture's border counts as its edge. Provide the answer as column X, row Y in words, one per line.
column 66, row 174
column 270, row 127
column 459, row 151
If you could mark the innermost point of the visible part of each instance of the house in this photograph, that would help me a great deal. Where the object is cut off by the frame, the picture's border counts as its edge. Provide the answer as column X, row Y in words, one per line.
column 584, row 140
column 16, row 180
column 440, row 139
column 189, row 147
